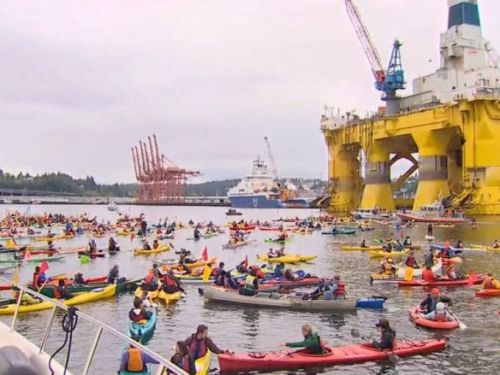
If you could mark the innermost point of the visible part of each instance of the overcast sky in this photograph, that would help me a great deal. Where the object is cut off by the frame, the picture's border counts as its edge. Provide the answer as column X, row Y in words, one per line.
column 82, row 81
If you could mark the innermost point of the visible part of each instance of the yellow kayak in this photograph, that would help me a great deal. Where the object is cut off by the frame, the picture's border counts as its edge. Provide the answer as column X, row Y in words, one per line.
column 151, row 294
column 198, row 263
column 359, row 248
column 55, row 238
column 203, row 364
column 290, row 258
column 169, row 297
column 383, row 254
column 78, row 299
column 161, row 249
column 123, row 233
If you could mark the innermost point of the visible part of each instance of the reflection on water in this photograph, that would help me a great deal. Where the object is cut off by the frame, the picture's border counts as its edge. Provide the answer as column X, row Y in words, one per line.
column 474, row 349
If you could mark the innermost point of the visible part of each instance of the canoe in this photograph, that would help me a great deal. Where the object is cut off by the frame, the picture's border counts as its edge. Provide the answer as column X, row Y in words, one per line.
column 161, row 249
column 169, row 297
column 441, row 282
column 420, row 321
column 290, row 258
column 486, row 293
column 370, row 303
column 300, row 359
column 383, row 254
column 146, row 330
column 79, row 299
column 275, row 300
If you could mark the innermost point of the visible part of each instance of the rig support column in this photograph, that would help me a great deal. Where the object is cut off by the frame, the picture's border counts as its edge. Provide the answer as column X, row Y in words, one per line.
column 378, row 192
column 432, row 166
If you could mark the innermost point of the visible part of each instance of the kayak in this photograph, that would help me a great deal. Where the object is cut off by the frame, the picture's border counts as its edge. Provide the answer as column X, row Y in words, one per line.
column 276, row 300
column 370, row 303
column 144, row 330
column 360, row 248
column 151, row 294
column 486, row 293
column 441, row 282
column 420, row 321
column 290, row 258
column 236, row 245
column 384, row 254
column 282, row 242
column 145, row 372
column 161, row 249
column 107, row 292
column 169, row 297
column 198, row 263
column 271, row 229
column 34, row 259
column 339, row 231
column 301, row 359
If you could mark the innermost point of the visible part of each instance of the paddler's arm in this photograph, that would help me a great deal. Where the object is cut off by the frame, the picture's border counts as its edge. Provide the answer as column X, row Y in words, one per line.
column 124, row 362
column 310, row 341
column 146, row 358
column 214, row 348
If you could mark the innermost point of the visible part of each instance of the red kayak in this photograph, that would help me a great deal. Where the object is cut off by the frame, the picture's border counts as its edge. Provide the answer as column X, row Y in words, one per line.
column 271, row 229
column 416, row 318
column 248, row 227
column 442, row 282
column 486, row 293
column 348, row 354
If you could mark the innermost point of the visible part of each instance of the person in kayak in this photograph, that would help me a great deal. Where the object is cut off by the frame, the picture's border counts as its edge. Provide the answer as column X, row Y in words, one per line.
column 429, row 230
column 411, row 261
column 113, row 275
column 312, row 341
column 133, row 360
column 199, row 343
column 495, row 244
column 272, row 254
column 278, row 271
column 387, row 267
column 78, row 280
column 183, row 359
column 451, row 272
column 387, row 336
column 407, row 241
column 251, row 286
column 171, row 284
column 146, row 245
column 429, row 258
column 138, row 312
column 288, row 275
column 150, row 281
column 61, row 291
column 428, row 275
column 39, row 278
column 363, row 244
column 196, row 234
column 112, row 245
column 92, row 246
column 440, row 314
column 156, row 245
column 490, row 282
column 428, row 305
column 26, row 299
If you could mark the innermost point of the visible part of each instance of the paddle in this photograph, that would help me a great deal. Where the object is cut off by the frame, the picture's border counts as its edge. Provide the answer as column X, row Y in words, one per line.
column 390, row 354
column 460, row 323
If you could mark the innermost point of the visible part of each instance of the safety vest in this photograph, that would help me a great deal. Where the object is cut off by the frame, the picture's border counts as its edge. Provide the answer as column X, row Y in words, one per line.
column 340, row 292
column 183, row 362
column 387, row 268
column 249, row 281
column 488, row 283
column 149, row 278
column 170, row 282
column 198, row 348
column 135, row 363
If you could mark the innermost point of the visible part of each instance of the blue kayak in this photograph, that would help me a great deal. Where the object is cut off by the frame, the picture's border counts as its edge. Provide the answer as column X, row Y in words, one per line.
column 370, row 303
column 146, row 330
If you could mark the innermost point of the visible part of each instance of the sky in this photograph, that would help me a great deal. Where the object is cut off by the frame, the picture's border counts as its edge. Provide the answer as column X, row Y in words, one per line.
column 82, row 81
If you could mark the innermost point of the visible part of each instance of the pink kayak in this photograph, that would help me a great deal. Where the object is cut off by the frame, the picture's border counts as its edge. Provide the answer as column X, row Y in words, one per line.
column 416, row 318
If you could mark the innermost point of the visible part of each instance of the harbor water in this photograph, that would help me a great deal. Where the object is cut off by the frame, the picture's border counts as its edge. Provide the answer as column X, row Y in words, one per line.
column 474, row 349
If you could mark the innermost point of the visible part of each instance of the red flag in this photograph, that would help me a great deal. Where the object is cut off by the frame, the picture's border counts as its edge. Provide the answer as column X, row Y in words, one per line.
column 204, row 254
column 44, row 266
column 246, row 260
column 472, row 278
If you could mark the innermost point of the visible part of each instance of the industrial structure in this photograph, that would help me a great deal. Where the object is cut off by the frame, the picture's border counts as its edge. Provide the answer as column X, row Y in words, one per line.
column 451, row 120
column 159, row 181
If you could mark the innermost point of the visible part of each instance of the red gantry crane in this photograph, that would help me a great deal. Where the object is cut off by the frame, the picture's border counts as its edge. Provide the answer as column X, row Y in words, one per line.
column 158, row 179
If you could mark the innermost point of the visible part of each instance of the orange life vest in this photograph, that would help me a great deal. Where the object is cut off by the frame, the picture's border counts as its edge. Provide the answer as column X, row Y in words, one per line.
column 135, row 363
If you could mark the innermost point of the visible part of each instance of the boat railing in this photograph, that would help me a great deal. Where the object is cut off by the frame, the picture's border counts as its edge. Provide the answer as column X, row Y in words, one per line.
column 101, row 327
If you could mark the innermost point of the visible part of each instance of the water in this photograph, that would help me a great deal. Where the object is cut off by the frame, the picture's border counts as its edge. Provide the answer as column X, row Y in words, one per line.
column 250, row 329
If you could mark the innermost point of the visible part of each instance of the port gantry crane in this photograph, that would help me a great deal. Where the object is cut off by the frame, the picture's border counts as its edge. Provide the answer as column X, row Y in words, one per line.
column 274, row 170
column 390, row 80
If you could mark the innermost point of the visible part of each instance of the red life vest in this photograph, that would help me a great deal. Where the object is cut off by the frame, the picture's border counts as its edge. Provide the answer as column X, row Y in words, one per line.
column 137, row 317
column 201, row 345
column 149, row 278
column 488, row 283
column 169, row 282
column 186, row 366
column 428, row 275
column 340, row 292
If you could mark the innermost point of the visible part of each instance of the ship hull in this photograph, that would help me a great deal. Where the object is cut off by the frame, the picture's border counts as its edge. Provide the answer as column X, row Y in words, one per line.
column 254, row 201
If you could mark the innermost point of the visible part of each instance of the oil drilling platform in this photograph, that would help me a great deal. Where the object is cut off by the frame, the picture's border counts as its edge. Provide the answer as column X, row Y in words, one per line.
column 452, row 121
column 159, row 180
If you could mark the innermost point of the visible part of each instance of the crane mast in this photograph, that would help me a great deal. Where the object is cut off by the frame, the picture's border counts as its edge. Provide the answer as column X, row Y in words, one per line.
column 274, row 171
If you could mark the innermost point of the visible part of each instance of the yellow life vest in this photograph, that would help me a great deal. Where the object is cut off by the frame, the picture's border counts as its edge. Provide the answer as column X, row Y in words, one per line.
column 249, row 281
column 135, row 363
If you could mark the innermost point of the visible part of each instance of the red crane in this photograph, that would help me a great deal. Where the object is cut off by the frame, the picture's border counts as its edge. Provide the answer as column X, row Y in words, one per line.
column 158, row 179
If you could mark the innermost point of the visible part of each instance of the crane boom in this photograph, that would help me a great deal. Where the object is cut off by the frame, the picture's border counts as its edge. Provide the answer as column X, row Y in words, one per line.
column 366, row 41
column 274, row 171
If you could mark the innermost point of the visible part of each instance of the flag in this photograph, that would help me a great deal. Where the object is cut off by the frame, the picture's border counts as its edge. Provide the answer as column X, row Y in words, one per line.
column 207, row 271
column 472, row 278
column 10, row 244
column 204, row 254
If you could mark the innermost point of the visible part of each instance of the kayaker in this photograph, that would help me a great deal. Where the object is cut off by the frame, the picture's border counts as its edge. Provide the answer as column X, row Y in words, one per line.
column 199, row 343
column 222, row 278
column 411, row 261
column 146, row 245
column 78, row 280
column 138, row 312
column 363, row 244
column 51, row 246
column 490, row 283
column 428, row 275
column 282, row 237
column 196, row 234
column 312, row 341
column 156, row 245
column 133, row 360
column 495, row 244
column 278, row 271
column 157, row 271
column 398, row 246
column 440, row 314
column 387, row 267
column 26, row 299
column 429, row 230
column 150, row 281
column 183, row 359
column 113, row 274
column 272, row 254
column 251, row 286
column 92, row 246
column 217, row 270
column 112, row 244
column 171, row 284
column 39, row 278
column 451, row 273
column 288, row 275
column 61, row 292
column 429, row 303
column 281, row 251
column 429, row 258
column 407, row 241
column 387, row 337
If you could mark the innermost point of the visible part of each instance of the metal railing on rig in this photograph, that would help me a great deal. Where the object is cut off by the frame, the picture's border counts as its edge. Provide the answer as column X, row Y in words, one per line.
column 164, row 363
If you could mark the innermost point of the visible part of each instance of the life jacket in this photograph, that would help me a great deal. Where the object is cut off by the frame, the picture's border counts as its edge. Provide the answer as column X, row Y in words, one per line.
column 135, row 363
column 149, row 278
column 184, row 363
column 440, row 317
column 428, row 275
column 340, row 292
column 387, row 268
column 249, row 281
column 169, row 282
column 411, row 262
column 488, row 283
column 136, row 317
column 198, row 348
